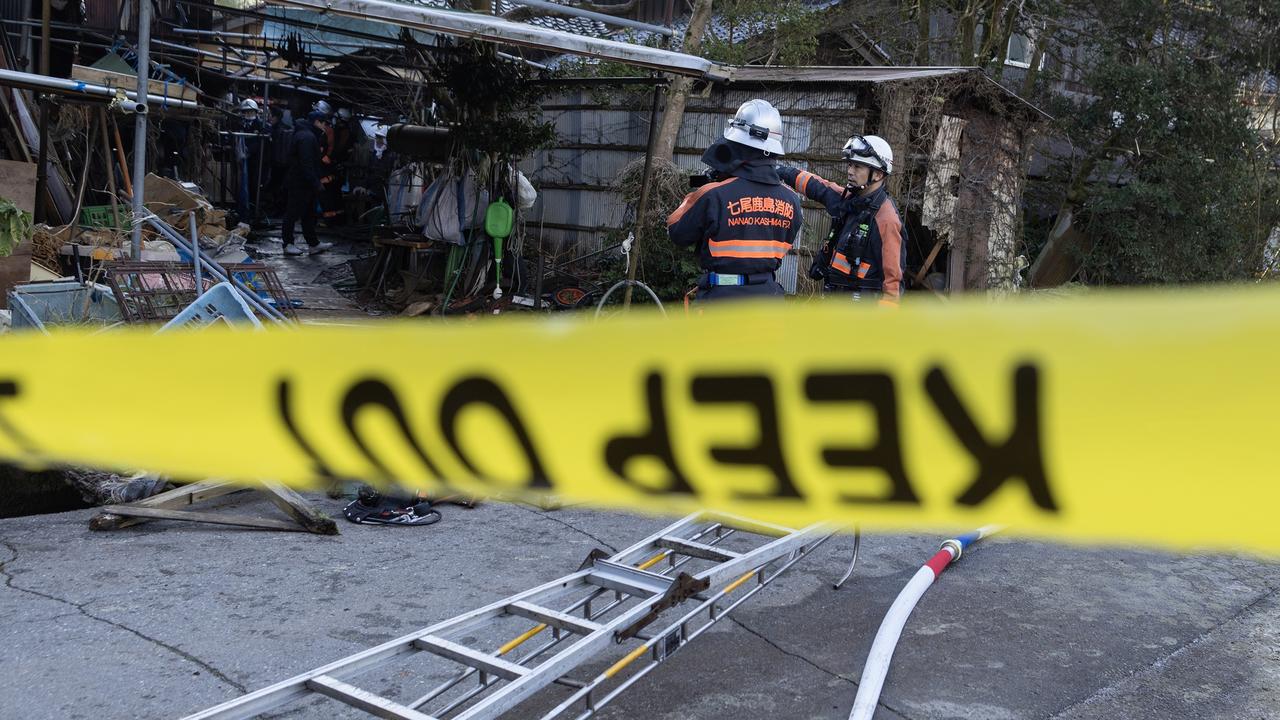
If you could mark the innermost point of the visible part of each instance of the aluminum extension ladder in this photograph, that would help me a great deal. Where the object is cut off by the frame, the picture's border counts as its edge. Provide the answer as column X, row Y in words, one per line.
column 611, row 601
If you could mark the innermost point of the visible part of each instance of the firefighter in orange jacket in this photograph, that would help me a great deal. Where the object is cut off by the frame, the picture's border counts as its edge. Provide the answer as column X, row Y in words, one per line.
column 865, row 253
column 742, row 219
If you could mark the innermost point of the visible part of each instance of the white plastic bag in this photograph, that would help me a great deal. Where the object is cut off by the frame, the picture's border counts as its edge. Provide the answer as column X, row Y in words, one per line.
column 450, row 205
column 526, row 195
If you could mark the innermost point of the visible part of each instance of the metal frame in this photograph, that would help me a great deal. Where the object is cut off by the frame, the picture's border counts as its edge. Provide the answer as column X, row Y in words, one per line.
column 160, row 291
column 580, row 632
column 506, row 32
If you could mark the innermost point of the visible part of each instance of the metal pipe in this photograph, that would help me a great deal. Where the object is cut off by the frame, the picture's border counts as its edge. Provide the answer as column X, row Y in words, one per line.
column 76, row 88
column 42, row 170
column 506, row 32
column 853, row 562
column 877, row 667
column 558, row 9
column 140, row 123
column 216, row 270
column 195, row 259
column 262, row 150
column 46, row 13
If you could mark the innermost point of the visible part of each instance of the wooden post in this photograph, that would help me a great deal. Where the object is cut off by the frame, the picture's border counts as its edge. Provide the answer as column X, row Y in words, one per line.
column 642, row 208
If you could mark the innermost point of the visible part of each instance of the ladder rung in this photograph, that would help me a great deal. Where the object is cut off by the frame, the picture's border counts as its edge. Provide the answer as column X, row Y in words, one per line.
column 471, row 658
column 696, row 549
column 627, row 579
column 363, row 699
column 757, row 527
column 554, row 618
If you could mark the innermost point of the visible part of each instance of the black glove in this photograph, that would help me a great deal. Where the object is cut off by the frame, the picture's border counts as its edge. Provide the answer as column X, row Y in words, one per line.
column 821, row 261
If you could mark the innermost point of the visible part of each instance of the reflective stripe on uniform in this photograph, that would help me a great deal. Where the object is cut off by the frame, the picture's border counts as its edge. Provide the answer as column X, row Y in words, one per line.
column 802, row 180
column 841, row 263
column 768, row 249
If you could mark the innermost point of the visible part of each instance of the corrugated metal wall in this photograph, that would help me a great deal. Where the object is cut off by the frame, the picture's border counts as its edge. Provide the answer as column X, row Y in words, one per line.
column 578, row 206
column 103, row 14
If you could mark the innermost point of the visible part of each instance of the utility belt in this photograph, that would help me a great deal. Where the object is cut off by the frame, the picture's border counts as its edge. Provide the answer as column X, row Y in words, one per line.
column 713, row 279
column 857, row 290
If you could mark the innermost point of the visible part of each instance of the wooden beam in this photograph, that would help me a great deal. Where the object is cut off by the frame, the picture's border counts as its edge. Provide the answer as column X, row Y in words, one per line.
column 204, row 517
column 158, row 88
column 179, row 497
column 933, row 255
column 297, row 507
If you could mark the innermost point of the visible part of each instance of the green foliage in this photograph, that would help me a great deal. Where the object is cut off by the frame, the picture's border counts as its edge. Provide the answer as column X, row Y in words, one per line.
column 1174, row 184
column 668, row 269
column 777, row 32
column 15, row 226
column 496, row 102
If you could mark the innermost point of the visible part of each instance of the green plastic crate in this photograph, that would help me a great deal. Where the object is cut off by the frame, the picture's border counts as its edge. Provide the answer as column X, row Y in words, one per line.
column 99, row 216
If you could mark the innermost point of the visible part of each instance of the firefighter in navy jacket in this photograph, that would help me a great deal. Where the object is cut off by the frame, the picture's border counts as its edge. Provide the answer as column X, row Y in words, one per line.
column 865, row 252
column 743, row 220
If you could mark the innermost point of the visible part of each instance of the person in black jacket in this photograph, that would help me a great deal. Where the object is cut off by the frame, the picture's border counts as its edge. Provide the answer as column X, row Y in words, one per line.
column 865, row 253
column 304, row 186
column 743, row 221
column 280, row 126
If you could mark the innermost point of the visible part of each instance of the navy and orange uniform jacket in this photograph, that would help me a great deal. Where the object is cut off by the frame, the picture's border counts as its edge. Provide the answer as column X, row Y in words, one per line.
column 742, row 225
column 885, row 253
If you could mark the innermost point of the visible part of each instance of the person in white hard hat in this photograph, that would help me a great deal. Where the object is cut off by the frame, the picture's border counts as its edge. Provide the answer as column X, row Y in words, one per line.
column 865, row 254
column 741, row 219
column 248, row 148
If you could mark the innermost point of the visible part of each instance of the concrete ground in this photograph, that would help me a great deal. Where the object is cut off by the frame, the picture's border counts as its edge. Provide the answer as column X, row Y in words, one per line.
column 167, row 618
column 304, row 276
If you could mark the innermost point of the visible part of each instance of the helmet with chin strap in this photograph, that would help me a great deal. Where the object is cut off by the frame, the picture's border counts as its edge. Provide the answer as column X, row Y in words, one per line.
column 757, row 124
column 870, row 150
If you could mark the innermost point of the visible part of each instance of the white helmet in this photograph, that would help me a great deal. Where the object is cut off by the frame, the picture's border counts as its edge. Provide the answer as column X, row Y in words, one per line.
column 757, row 124
column 870, row 150
column 344, row 113
column 322, row 106
column 249, row 105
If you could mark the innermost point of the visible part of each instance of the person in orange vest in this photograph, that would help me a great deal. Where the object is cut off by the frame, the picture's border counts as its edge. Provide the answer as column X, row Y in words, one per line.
column 742, row 219
column 865, row 253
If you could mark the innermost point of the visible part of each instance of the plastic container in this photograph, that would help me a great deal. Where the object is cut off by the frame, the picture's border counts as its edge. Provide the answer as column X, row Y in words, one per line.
column 99, row 216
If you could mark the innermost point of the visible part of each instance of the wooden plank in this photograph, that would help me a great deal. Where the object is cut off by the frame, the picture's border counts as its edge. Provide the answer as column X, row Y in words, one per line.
column 204, row 517
column 157, row 88
column 375, row 705
column 178, row 497
column 18, row 185
column 553, row 618
column 471, row 658
column 928, row 262
column 297, row 507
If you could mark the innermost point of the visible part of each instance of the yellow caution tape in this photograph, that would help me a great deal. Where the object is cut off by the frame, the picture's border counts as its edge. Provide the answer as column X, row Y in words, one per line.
column 1148, row 418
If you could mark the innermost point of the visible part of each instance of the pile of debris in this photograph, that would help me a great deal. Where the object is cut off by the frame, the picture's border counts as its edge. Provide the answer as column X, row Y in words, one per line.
column 100, row 228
